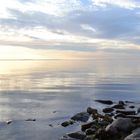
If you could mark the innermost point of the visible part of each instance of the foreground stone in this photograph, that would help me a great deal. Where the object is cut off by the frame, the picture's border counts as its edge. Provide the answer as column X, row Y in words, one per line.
column 114, row 122
column 134, row 136
column 120, row 124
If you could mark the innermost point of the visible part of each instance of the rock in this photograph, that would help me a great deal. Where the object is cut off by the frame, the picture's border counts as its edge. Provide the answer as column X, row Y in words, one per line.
column 83, row 117
column 31, row 120
column 108, row 102
column 138, row 110
column 77, row 135
column 101, row 134
column 9, row 121
column 90, row 131
column 126, row 112
column 134, row 136
column 87, row 125
column 118, row 106
column 67, row 138
column 132, row 106
column 120, row 115
column 50, row 125
column 121, row 103
column 108, row 110
column 107, row 118
column 90, row 137
column 120, row 125
column 91, row 110
column 129, row 102
column 67, row 123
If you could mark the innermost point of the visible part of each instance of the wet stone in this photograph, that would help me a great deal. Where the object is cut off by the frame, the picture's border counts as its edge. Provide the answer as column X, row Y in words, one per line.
column 30, row 120
column 132, row 106
column 90, row 131
column 108, row 110
column 120, row 125
column 108, row 102
column 67, row 123
column 87, row 125
column 77, row 135
column 118, row 106
column 9, row 121
column 91, row 110
column 126, row 112
column 120, row 115
column 83, row 117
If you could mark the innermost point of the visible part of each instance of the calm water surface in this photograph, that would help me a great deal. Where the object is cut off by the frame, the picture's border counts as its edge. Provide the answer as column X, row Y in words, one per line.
column 52, row 91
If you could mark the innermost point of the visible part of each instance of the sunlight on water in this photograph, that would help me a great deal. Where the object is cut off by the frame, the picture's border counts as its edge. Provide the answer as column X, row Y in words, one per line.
column 36, row 89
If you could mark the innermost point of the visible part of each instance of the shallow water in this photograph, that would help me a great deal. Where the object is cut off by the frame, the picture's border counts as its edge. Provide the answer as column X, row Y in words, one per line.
column 51, row 91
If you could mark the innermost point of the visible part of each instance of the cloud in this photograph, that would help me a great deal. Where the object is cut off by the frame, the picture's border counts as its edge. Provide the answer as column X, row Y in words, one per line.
column 76, row 25
column 128, row 4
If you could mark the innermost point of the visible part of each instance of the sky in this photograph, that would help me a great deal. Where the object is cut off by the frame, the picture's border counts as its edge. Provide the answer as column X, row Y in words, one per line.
column 60, row 29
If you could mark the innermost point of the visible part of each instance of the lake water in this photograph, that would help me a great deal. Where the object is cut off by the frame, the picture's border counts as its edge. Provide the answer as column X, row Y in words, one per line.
column 51, row 91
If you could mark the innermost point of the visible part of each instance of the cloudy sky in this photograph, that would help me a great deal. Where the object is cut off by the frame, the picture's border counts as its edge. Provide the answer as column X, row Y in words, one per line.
column 68, row 28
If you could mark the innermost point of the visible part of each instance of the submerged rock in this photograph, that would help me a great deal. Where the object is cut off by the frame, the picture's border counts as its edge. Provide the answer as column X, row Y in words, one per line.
column 83, row 117
column 108, row 102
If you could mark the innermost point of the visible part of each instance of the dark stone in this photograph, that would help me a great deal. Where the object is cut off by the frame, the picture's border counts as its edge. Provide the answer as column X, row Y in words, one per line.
column 83, row 117
column 134, row 136
column 31, row 120
column 8, row 122
column 126, row 112
column 120, row 115
column 129, row 102
column 67, row 123
column 87, row 125
column 91, row 110
column 120, row 125
column 90, row 137
column 67, row 138
column 121, row 103
column 77, row 135
column 108, row 102
column 132, row 106
column 101, row 134
column 118, row 106
column 138, row 110
column 90, row 131
column 50, row 125
column 108, row 110
column 110, row 114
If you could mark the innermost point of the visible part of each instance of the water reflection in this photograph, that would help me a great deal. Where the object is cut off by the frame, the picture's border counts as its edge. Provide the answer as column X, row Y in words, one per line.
column 34, row 89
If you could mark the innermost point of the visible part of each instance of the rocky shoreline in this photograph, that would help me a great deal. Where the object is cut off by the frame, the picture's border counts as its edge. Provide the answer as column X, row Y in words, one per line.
column 118, row 121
